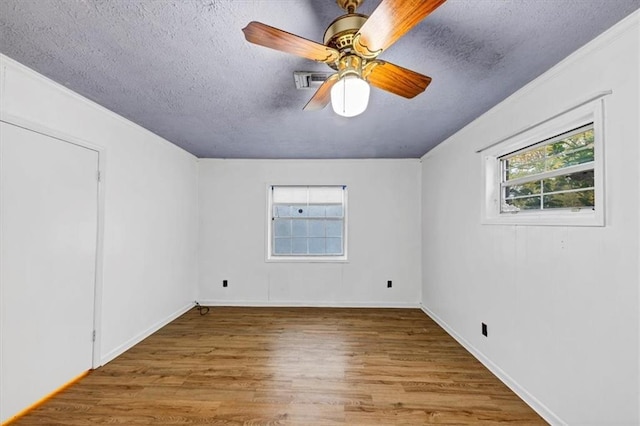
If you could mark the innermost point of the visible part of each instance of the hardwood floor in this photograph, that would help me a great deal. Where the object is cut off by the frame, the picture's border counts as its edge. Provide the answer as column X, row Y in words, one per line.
column 291, row 366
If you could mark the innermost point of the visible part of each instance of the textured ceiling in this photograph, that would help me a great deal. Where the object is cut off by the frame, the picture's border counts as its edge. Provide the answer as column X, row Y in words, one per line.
column 182, row 68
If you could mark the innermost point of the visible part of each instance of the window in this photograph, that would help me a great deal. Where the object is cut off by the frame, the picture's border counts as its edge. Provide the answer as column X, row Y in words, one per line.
column 550, row 174
column 554, row 174
column 307, row 223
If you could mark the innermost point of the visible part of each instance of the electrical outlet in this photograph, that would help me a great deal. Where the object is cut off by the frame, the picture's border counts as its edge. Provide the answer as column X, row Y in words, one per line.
column 224, row 283
column 484, row 330
column 389, row 284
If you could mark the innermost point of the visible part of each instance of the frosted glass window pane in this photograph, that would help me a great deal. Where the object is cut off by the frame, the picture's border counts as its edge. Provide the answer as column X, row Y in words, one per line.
column 316, row 211
column 282, row 246
column 300, row 211
column 316, row 228
column 282, row 228
column 316, row 246
column 333, row 245
column 299, row 245
column 334, row 228
column 282, row 210
column 299, row 220
column 299, row 228
column 334, row 211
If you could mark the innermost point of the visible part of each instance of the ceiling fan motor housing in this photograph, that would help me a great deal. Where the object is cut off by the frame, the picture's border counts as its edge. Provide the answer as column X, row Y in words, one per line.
column 340, row 33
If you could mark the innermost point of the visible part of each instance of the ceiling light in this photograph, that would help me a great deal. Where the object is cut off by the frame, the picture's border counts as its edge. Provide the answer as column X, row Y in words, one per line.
column 350, row 96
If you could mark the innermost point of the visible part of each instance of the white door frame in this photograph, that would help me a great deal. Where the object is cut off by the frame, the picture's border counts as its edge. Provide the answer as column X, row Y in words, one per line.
column 97, row 298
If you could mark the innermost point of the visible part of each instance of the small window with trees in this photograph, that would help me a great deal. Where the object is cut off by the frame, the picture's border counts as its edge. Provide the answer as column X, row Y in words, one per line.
column 553, row 174
column 307, row 223
column 549, row 174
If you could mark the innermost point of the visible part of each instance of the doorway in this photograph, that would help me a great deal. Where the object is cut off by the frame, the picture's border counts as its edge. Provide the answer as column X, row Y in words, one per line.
column 48, row 248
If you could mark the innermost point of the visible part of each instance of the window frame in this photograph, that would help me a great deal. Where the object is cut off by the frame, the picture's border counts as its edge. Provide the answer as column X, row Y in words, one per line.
column 305, row 258
column 547, row 131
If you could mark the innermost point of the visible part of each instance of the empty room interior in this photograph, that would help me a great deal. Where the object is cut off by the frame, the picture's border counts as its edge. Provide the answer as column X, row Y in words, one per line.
column 320, row 212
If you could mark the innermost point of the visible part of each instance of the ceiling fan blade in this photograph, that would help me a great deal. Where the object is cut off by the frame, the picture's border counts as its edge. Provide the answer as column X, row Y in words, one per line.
column 395, row 79
column 321, row 98
column 390, row 21
column 264, row 35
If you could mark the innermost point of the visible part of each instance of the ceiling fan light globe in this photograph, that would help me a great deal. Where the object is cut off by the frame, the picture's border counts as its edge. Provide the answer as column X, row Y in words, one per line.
column 350, row 96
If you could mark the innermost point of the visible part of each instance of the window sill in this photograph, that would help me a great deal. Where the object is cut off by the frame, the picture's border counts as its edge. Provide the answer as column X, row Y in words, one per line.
column 567, row 218
column 306, row 259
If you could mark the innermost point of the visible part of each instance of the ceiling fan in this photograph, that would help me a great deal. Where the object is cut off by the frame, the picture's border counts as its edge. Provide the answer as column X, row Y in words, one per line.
column 352, row 43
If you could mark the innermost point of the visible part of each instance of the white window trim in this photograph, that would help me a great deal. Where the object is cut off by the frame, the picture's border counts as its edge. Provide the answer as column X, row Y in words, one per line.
column 270, row 257
column 591, row 112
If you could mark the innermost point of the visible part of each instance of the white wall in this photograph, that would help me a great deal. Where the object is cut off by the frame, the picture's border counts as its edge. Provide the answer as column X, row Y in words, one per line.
column 149, row 262
column 383, row 233
column 561, row 303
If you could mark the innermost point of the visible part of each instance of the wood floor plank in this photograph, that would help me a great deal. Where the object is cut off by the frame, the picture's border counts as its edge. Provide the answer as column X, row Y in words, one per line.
column 291, row 366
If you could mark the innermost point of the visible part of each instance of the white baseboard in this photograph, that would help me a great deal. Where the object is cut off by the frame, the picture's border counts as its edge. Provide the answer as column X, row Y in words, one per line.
column 141, row 336
column 529, row 399
column 303, row 304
